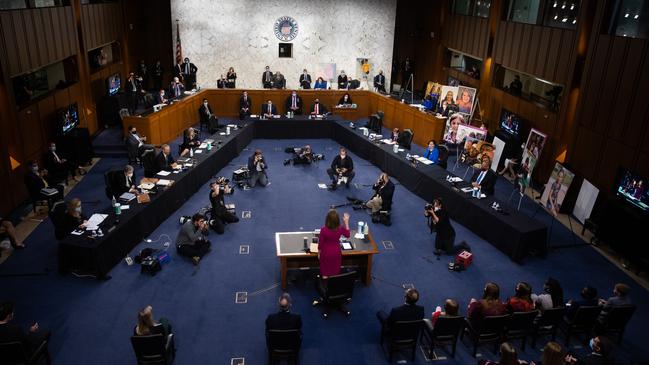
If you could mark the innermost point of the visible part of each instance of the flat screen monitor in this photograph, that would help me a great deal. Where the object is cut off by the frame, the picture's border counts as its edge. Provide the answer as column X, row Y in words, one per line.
column 68, row 118
column 633, row 188
column 114, row 83
column 510, row 123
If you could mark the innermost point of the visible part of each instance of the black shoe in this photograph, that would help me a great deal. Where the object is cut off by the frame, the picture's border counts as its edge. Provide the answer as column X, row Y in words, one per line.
column 287, row 162
column 347, row 185
column 334, row 186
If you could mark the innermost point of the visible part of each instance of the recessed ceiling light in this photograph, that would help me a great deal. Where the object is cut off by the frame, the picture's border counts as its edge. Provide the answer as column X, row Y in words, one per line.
column 563, row 6
column 626, row 15
column 574, row 21
column 636, row 16
column 564, row 20
column 556, row 17
column 572, row 7
column 555, row 5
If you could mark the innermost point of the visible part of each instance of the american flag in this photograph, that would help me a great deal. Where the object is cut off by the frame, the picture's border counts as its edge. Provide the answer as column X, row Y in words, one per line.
column 179, row 47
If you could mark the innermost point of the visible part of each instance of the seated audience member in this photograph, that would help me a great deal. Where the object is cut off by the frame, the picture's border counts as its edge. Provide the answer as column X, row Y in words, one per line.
column 176, row 89
column 431, row 152
column 383, row 192
column 301, row 156
column 451, row 309
column 409, row 311
column 268, row 110
column 294, row 103
column 508, row 356
column 522, row 300
column 305, row 80
column 317, row 108
column 7, row 230
column 484, row 179
column 329, row 251
column 191, row 241
column 124, row 182
column 342, row 80
column 284, row 319
column 588, row 299
column 394, row 137
column 320, row 84
column 135, row 139
column 489, row 305
column 58, row 167
column 345, row 100
column 553, row 354
column 161, row 97
column 342, row 168
column 207, row 116
column 146, row 325
column 220, row 215
column 36, row 179
column 10, row 332
column 73, row 218
column 439, row 222
column 245, row 105
column 164, row 159
column 601, row 353
column 620, row 297
column 190, row 141
column 552, row 296
column 257, row 169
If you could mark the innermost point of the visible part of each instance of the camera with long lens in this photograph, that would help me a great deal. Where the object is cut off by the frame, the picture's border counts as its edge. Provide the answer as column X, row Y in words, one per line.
column 224, row 185
column 318, row 157
column 427, row 207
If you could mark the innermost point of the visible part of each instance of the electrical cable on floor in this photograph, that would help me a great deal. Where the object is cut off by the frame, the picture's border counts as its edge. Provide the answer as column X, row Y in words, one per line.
column 387, row 282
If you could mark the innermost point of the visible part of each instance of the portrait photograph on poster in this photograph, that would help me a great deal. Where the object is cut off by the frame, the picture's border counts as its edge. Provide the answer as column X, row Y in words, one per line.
column 535, row 142
column 556, row 188
column 465, row 99
column 448, row 95
column 452, row 124
column 531, row 152
column 363, row 68
column 464, row 130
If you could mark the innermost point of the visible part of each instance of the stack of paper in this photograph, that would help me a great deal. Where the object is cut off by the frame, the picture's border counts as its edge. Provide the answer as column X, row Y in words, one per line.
column 163, row 173
column 94, row 221
column 146, row 186
column 388, row 141
column 164, row 182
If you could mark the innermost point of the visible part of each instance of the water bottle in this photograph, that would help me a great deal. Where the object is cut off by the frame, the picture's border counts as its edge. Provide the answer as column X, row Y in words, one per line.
column 227, row 130
column 191, row 152
column 366, row 229
column 113, row 202
column 360, row 227
column 479, row 193
column 395, row 148
column 118, row 208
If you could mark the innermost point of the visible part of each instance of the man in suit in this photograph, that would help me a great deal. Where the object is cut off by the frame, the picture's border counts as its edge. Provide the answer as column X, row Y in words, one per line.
column 383, row 192
column 58, row 167
column 257, row 169
column 620, row 297
column 268, row 109
column 379, row 82
column 342, row 80
column 35, row 181
column 133, row 88
column 284, row 319
column 409, row 311
column 267, row 78
column 294, row 103
column 134, row 139
column 176, row 89
column 207, row 117
column 10, row 332
column 317, row 108
column 484, row 179
column 164, row 160
column 341, row 167
column 158, row 72
column 189, row 74
column 588, row 299
column 161, row 97
column 245, row 104
column 191, row 241
column 122, row 182
column 305, row 80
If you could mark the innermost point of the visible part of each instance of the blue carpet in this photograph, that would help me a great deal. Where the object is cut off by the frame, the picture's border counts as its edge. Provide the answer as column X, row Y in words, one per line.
column 92, row 321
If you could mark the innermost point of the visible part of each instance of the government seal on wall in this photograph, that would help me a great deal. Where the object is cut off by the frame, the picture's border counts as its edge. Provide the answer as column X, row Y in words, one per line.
column 286, row 29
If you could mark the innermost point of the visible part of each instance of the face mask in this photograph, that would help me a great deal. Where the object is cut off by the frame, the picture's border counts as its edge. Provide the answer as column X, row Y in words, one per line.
column 205, row 103
column 35, row 169
column 77, row 209
column 437, row 209
column 53, row 149
column 591, row 343
column 133, row 132
column 129, row 176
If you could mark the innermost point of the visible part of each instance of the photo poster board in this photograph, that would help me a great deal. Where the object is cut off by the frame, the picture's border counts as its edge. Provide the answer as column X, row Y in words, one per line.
column 533, row 148
column 465, row 99
column 499, row 145
column 448, row 92
column 585, row 201
column 363, row 68
column 485, row 149
column 327, row 71
column 452, row 124
column 464, row 130
column 556, row 188
column 432, row 86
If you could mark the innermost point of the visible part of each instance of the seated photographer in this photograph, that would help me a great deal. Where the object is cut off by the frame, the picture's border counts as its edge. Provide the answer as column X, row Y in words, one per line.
column 342, row 169
column 191, row 241
column 301, row 156
column 190, row 140
column 484, row 179
column 439, row 222
column 257, row 168
column 382, row 198
column 220, row 214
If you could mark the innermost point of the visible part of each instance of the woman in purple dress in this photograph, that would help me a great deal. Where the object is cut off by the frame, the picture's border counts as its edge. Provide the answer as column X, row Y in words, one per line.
column 329, row 251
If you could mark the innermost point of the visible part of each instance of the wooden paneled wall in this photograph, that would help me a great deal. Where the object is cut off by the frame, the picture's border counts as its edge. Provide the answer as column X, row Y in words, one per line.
column 541, row 51
column 467, row 34
column 34, row 38
column 101, row 24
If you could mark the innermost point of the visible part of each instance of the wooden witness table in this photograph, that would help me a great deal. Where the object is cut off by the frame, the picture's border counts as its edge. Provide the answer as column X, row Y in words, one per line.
column 290, row 251
column 165, row 125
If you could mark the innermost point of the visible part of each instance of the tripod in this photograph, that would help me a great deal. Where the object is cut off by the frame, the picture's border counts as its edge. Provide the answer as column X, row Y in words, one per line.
column 411, row 83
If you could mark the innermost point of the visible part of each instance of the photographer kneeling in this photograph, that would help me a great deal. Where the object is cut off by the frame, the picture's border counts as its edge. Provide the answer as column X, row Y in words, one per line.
column 191, row 241
column 439, row 221
column 220, row 214
column 382, row 198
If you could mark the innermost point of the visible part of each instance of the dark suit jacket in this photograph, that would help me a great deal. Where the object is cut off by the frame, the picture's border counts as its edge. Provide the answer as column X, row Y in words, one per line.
column 488, row 182
column 386, row 193
column 305, row 81
column 251, row 164
column 49, row 162
column 10, row 332
column 264, row 109
column 69, row 223
column 406, row 312
column 203, row 113
column 340, row 163
column 34, row 184
column 245, row 103
column 322, row 107
column 192, row 68
column 298, row 102
column 341, row 101
column 342, row 82
column 379, row 81
column 118, row 183
column 283, row 321
column 172, row 90
column 162, row 163
column 160, row 99
column 270, row 77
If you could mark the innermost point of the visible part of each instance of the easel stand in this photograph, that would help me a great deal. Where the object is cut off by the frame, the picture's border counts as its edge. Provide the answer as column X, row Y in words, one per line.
column 572, row 232
column 411, row 84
